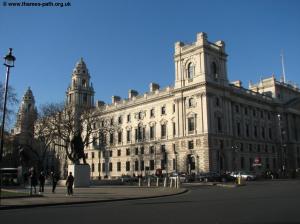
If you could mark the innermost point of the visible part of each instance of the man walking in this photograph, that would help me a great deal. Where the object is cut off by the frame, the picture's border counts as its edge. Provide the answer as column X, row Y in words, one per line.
column 69, row 183
column 42, row 182
column 54, row 177
column 33, row 180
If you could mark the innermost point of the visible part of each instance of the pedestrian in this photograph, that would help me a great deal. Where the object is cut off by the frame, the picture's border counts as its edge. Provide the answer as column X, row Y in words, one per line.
column 42, row 182
column 33, row 180
column 54, row 178
column 69, row 184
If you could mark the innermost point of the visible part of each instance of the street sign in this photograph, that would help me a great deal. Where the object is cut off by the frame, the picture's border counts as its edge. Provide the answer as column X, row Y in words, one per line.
column 257, row 161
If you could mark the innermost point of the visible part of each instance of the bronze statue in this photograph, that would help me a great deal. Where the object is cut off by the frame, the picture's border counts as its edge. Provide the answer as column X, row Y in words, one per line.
column 77, row 147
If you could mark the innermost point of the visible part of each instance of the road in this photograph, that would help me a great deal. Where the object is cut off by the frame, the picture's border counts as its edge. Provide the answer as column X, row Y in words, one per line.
column 269, row 202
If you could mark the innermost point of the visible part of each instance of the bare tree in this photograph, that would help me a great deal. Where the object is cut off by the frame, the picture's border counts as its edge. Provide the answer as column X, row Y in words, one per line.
column 12, row 100
column 60, row 124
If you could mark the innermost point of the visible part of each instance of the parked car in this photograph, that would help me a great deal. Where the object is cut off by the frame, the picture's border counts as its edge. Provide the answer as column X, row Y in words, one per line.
column 244, row 175
column 215, row 177
column 208, row 177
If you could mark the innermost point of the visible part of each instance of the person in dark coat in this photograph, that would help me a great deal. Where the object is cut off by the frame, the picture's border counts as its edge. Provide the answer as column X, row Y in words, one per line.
column 42, row 182
column 54, row 178
column 33, row 180
column 69, row 184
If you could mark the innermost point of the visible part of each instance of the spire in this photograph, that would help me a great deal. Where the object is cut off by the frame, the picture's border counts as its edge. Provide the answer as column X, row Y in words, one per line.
column 283, row 69
column 80, row 68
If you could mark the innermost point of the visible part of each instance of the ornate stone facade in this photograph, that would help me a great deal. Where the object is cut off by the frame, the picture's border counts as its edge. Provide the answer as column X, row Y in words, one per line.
column 202, row 123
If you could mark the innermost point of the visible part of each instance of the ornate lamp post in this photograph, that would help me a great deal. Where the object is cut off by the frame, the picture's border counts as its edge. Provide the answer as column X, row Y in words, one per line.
column 235, row 149
column 9, row 62
column 282, row 146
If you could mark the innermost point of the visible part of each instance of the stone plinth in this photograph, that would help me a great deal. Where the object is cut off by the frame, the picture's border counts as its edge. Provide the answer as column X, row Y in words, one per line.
column 81, row 173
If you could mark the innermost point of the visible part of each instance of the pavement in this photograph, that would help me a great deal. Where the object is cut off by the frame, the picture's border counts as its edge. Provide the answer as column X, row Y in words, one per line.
column 86, row 195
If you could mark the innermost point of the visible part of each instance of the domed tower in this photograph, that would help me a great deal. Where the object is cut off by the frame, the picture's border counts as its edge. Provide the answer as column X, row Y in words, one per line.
column 27, row 114
column 80, row 93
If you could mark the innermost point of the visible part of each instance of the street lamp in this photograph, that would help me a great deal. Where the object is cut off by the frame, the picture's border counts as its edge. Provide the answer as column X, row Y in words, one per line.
column 281, row 132
column 9, row 62
column 235, row 149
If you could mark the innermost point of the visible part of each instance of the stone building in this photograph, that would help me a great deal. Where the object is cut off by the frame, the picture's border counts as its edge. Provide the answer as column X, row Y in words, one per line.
column 201, row 123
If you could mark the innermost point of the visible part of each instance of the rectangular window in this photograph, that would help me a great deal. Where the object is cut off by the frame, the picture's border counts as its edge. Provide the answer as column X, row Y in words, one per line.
column 191, row 124
column 250, row 164
column 93, row 167
column 103, row 167
column 219, row 120
column 127, row 166
column 110, row 167
column 250, row 147
column 270, row 133
column 242, row 163
column 102, row 139
column 119, row 137
column 142, row 150
column 152, row 132
column 247, row 130
column 136, row 151
column 151, row 149
column 111, row 121
column 128, row 118
column 152, row 114
column 242, row 147
column 127, row 152
column 136, row 165
column 110, row 153
column 163, row 110
column 99, row 167
column 163, row 164
column 111, row 138
column 174, row 128
column 142, row 165
column 93, row 155
column 238, row 128
column 237, row 108
column 120, row 120
column 128, row 134
column 119, row 152
column 94, row 141
column 163, row 131
column 255, row 131
column 191, row 144
column 151, row 164
column 262, row 132
column 118, row 166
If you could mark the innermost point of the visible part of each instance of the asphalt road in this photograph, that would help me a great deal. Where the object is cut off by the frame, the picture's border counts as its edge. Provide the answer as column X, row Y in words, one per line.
column 259, row 202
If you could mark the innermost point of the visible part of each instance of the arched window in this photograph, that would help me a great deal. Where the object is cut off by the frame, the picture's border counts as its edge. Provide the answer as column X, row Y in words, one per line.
column 190, row 71
column 214, row 70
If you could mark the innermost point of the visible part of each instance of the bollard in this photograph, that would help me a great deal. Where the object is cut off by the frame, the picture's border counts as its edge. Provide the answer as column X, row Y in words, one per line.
column 178, row 182
column 157, row 182
column 165, row 182
column 140, row 182
column 149, row 183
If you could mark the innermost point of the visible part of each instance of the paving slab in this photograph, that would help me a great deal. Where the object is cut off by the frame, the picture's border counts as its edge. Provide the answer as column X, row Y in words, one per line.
column 88, row 195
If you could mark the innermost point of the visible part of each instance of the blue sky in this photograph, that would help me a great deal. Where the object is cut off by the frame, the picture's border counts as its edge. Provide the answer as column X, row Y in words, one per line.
column 127, row 44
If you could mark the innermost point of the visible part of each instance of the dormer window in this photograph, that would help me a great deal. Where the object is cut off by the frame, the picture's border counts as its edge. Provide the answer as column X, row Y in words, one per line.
column 190, row 71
